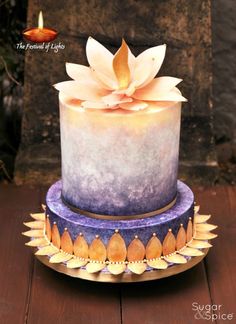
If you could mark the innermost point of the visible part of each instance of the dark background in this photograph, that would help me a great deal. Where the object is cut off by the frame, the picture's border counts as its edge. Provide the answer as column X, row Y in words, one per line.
column 218, row 125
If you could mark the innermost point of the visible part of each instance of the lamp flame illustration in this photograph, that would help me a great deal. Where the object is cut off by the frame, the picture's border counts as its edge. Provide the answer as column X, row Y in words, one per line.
column 40, row 20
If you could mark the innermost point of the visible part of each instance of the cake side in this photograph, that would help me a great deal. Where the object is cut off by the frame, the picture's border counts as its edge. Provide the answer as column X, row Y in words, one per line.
column 116, row 162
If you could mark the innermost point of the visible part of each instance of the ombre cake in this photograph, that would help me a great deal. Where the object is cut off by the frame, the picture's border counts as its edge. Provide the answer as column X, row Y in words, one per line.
column 119, row 208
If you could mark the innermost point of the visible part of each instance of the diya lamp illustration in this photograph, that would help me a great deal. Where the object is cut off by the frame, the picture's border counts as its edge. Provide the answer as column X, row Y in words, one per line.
column 40, row 34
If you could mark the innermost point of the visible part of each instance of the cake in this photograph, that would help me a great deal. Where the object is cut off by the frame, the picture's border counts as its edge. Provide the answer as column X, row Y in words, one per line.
column 119, row 209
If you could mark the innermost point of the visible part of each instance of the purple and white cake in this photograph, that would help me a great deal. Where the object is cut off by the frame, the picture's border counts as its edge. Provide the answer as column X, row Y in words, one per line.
column 119, row 207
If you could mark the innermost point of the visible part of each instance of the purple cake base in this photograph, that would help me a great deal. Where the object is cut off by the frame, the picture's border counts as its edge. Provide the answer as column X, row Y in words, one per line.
column 90, row 227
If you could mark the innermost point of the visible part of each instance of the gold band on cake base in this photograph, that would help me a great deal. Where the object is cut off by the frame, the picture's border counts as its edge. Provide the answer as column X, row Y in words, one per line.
column 119, row 217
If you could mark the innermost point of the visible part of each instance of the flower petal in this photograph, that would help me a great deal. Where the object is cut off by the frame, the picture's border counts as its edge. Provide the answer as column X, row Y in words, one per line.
column 121, row 66
column 99, row 58
column 79, row 72
column 134, row 105
column 94, row 105
column 142, row 73
column 105, row 81
column 81, row 91
column 156, row 88
column 114, row 99
column 155, row 54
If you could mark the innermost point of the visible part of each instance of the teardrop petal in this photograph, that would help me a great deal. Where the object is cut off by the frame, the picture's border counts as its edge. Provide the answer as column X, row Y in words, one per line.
column 97, row 250
column 34, row 224
column 176, row 258
column 116, row 248
column 56, row 240
column 94, row 267
column 38, row 216
column 136, row 250
column 157, row 264
column 204, row 236
column 121, row 66
column 79, row 72
column 169, row 243
column 60, row 257
column 48, row 229
column 117, row 268
column 137, row 267
column 47, row 250
column 34, row 233
column 198, row 219
column 181, row 238
column 205, row 227
column 135, row 105
column 189, row 232
column 81, row 248
column 153, row 248
column 66, row 242
column 76, row 263
column 39, row 242
column 197, row 244
column 191, row 252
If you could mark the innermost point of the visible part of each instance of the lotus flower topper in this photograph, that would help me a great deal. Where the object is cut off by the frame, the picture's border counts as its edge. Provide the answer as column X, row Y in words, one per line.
column 121, row 80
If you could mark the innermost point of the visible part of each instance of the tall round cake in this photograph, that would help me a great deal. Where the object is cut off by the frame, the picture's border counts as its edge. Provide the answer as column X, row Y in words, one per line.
column 119, row 208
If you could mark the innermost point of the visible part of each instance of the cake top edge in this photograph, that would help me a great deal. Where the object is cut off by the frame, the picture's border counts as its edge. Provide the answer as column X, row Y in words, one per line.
column 120, row 81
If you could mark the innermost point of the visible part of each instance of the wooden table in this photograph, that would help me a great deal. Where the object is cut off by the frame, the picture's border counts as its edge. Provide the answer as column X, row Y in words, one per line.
column 32, row 293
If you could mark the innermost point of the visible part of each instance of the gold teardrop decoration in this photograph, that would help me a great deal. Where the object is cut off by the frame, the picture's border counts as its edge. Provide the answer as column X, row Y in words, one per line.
column 97, row 250
column 201, row 218
column 153, row 248
column 66, row 242
column 35, row 224
column 176, row 258
column 75, row 263
column 48, row 229
column 37, row 242
column 56, row 240
column 136, row 250
column 169, row 243
column 191, row 252
column 47, row 250
column 116, row 268
column 38, row 216
column 205, row 227
column 205, row 236
column 34, row 233
column 81, row 248
column 189, row 230
column 137, row 267
column 116, row 248
column 157, row 264
column 94, row 267
column 197, row 244
column 181, row 238
column 60, row 257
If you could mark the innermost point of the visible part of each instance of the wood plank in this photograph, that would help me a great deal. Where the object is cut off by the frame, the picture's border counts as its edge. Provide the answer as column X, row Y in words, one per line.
column 221, row 261
column 15, row 258
column 58, row 298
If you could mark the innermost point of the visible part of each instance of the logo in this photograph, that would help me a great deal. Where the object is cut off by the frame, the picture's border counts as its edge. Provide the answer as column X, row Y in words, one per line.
column 40, row 38
column 210, row 312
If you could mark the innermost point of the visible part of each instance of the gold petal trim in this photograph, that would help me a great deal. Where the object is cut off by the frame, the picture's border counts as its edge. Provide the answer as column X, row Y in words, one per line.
column 76, row 263
column 47, row 250
column 197, row 244
column 38, row 242
column 116, row 268
column 60, row 257
column 157, row 264
column 93, row 267
column 34, row 233
column 205, row 227
column 35, row 224
column 38, row 216
column 175, row 258
column 198, row 219
column 169, row 243
column 187, row 251
column 204, row 236
column 137, row 267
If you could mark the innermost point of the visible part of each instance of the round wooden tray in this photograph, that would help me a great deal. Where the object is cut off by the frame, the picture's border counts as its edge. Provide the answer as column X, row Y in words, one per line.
column 126, row 276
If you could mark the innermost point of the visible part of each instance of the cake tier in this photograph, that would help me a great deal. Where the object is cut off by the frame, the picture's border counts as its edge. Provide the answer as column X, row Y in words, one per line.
column 117, row 162
column 180, row 215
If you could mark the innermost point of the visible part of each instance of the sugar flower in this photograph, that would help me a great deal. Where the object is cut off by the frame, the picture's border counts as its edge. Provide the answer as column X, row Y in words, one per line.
column 121, row 80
